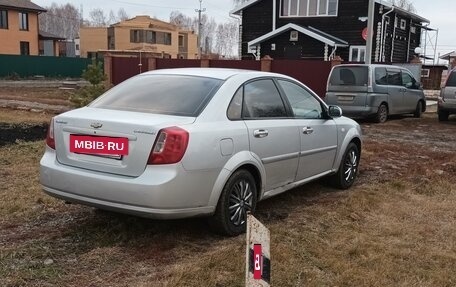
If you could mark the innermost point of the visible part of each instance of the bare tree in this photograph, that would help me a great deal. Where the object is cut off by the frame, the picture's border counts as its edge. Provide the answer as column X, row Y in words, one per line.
column 61, row 20
column 122, row 15
column 226, row 39
column 180, row 20
column 404, row 4
column 238, row 2
column 98, row 18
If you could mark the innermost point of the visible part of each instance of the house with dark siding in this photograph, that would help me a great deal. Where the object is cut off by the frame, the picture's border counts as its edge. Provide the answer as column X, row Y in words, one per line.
column 324, row 29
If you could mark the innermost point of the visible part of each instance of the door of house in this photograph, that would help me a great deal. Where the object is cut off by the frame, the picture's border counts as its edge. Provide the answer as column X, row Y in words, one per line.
column 293, row 52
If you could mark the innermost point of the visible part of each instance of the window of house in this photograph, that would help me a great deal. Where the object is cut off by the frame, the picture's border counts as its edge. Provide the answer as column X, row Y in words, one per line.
column 3, row 19
column 413, row 30
column 23, row 21
column 151, row 37
column 309, row 8
column 25, row 48
column 403, row 24
column 136, row 36
column 357, row 54
column 425, row 73
column 167, row 39
column 181, row 41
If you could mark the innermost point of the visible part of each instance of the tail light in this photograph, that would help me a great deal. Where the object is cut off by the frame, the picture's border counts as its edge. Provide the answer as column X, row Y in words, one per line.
column 50, row 141
column 169, row 147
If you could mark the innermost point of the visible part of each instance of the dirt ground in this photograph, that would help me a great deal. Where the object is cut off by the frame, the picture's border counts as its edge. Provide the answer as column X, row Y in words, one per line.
column 395, row 227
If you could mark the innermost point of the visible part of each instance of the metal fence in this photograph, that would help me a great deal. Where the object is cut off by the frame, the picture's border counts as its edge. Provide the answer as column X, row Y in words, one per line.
column 28, row 66
column 312, row 73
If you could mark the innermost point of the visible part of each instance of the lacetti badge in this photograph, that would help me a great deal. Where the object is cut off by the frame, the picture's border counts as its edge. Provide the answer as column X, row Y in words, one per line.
column 98, row 145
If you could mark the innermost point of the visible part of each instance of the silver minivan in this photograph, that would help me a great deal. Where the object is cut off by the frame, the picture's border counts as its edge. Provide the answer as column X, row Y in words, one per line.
column 447, row 99
column 375, row 91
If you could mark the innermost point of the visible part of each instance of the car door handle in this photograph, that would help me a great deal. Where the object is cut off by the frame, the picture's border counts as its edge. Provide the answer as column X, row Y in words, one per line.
column 307, row 130
column 403, row 90
column 260, row 133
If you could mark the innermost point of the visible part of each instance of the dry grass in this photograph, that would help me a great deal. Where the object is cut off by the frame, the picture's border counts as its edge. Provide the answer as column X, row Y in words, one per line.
column 21, row 116
column 395, row 227
column 51, row 96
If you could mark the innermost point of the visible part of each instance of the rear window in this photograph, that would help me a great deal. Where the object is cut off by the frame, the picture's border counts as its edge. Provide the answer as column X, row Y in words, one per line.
column 451, row 82
column 349, row 76
column 161, row 94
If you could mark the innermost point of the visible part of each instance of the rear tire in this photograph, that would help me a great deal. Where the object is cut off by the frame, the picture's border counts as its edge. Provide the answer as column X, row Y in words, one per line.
column 239, row 196
column 443, row 116
column 382, row 114
column 418, row 110
column 348, row 168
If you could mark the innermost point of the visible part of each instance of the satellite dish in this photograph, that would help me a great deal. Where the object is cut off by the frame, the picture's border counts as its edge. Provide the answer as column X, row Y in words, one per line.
column 418, row 50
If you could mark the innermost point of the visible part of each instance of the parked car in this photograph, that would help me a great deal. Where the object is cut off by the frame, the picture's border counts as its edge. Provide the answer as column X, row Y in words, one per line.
column 375, row 91
column 447, row 100
column 198, row 142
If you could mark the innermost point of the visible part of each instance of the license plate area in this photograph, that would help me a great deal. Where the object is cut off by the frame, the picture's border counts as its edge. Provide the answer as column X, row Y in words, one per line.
column 107, row 147
column 345, row 98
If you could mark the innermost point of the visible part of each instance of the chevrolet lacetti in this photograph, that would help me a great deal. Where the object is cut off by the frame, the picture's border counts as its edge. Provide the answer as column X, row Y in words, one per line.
column 198, row 142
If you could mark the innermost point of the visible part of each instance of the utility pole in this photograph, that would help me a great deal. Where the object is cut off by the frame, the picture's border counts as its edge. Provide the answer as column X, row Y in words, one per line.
column 370, row 31
column 199, row 11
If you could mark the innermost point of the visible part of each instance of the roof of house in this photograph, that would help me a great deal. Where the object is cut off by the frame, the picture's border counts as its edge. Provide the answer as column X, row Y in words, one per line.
column 448, row 56
column 249, row 3
column 21, row 4
column 144, row 21
column 309, row 31
column 49, row 36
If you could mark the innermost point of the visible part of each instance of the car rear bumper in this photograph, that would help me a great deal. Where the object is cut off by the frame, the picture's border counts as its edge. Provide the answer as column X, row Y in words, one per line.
column 162, row 192
column 447, row 107
column 358, row 111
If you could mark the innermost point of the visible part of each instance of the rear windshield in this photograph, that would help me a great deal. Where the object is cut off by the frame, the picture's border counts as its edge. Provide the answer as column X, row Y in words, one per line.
column 161, row 94
column 349, row 76
column 451, row 80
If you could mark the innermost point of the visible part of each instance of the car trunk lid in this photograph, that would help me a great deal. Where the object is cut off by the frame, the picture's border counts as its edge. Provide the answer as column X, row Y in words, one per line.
column 140, row 130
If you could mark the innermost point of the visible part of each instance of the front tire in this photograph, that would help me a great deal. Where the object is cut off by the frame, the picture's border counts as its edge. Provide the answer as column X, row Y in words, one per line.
column 239, row 196
column 418, row 110
column 348, row 168
column 382, row 114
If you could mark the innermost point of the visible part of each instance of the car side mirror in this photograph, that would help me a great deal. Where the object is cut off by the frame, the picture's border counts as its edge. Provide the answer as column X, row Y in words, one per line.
column 335, row 112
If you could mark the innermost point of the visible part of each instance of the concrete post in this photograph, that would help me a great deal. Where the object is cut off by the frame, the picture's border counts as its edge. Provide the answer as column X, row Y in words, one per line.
column 108, row 68
column 152, row 63
column 336, row 61
column 205, row 63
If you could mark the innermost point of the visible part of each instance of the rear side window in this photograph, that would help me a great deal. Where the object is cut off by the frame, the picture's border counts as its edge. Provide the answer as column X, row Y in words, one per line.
column 381, row 77
column 451, row 82
column 161, row 94
column 262, row 100
column 394, row 78
column 349, row 76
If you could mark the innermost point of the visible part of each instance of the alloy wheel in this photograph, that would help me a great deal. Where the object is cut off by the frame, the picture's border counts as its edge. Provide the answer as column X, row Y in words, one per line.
column 240, row 202
column 350, row 166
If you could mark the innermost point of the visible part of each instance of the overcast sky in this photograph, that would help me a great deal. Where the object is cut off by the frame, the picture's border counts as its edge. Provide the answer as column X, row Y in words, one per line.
column 439, row 12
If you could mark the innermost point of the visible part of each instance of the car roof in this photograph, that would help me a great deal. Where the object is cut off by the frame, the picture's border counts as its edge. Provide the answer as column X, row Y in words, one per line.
column 371, row 65
column 217, row 73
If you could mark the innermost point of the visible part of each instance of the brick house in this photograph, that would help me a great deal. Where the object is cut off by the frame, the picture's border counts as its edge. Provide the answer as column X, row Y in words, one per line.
column 19, row 31
column 141, row 33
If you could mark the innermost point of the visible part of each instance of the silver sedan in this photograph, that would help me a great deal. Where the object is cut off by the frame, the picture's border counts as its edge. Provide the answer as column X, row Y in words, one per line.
column 198, row 142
